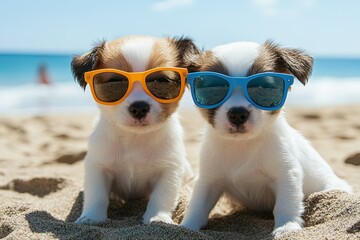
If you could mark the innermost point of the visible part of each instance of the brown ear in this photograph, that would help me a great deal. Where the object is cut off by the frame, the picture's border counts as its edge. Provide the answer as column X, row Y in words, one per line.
column 189, row 54
column 298, row 63
column 292, row 60
column 86, row 62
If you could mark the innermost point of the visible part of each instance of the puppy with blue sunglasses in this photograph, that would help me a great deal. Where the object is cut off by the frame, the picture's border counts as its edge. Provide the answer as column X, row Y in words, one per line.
column 250, row 153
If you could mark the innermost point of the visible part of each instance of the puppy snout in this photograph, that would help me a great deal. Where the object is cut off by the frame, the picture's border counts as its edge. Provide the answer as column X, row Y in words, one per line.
column 139, row 109
column 238, row 115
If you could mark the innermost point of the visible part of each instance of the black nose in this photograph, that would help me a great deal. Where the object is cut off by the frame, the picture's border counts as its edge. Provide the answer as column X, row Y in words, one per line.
column 238, row 115
column 139, row 109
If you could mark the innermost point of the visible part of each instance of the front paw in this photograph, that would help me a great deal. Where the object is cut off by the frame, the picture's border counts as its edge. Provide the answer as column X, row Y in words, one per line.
column 190, row 225
column 89, row 219
column 286, row 228
column 159, row 217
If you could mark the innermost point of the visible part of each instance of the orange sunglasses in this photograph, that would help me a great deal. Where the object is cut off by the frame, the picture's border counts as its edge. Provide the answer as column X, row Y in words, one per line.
column 111, row 86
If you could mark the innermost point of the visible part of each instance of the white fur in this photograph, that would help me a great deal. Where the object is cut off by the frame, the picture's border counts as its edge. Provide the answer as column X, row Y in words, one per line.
column 269, row 167
column 137, row 52
column 237, row 56
column 142, row 158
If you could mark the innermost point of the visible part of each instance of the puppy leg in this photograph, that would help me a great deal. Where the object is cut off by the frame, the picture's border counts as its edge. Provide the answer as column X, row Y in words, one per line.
column 289, row 203
column 188, row 172
column 96, row 196
column 163, row 199
column 204, row 198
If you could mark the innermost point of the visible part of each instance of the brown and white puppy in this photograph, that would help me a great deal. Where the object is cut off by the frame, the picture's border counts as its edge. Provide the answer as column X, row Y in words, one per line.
column 143, row 156
column 257, row 159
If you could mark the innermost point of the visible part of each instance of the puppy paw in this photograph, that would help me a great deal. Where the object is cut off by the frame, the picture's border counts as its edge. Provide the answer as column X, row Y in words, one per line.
column 90, row 220
column 287, row 228
column 160, row 217
column 188, row 225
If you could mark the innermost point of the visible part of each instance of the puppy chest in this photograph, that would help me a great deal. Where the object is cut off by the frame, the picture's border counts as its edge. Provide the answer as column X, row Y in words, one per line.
column 135, row 173
column 252, row 188
column 135, row 164
column 130, row 185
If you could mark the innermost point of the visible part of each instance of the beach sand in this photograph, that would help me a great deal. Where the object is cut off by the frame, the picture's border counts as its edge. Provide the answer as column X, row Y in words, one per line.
column 41, row 182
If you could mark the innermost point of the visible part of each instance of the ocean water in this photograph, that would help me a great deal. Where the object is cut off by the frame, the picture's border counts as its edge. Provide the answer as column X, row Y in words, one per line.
column 335, row 81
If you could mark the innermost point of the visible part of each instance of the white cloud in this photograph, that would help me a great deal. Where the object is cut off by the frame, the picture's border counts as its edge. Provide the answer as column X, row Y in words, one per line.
column 165, row 5
column 271, row 8
column 268, row 7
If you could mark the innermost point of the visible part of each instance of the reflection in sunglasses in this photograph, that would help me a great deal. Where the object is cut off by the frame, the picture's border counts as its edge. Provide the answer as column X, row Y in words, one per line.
column 164, row 84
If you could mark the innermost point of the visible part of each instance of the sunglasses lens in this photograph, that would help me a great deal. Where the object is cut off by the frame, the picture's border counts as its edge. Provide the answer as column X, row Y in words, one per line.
column 210, row 90
column 266, row 91
column 110, row 87
column 164, row 84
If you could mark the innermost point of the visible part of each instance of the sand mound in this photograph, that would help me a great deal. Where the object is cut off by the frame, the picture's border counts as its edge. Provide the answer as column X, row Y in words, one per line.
column 329, row 215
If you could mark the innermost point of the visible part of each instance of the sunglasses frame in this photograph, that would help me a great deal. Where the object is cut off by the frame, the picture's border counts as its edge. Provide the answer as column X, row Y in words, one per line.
column 242, row 82
column 136, row 77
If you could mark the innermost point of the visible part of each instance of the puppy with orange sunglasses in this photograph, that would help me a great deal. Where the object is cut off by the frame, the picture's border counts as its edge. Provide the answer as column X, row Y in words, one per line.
column 137, row 145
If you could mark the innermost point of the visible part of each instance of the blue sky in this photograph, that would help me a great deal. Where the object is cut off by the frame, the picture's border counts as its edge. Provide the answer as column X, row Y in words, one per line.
column 322, row 27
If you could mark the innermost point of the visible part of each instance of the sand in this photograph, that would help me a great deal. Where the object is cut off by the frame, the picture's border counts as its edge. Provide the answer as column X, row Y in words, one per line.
column 41, row 182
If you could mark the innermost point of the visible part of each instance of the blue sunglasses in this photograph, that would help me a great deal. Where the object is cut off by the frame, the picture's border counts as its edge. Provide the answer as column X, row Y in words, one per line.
column 266, row 91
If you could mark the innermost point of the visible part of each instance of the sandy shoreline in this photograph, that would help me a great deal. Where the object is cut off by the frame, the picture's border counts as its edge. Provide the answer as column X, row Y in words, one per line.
column 41, row 178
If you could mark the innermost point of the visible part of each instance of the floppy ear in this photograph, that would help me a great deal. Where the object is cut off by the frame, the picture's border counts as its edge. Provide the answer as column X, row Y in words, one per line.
column 285, row 60
column 298, row 63
column 86, row 62
column 188, row 54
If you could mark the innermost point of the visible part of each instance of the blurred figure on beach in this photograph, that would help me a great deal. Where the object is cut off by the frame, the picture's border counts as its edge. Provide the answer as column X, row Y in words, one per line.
column 43, row 75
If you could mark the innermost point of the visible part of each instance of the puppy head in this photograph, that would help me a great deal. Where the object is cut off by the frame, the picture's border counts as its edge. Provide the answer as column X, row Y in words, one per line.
column 237, row 118
column 138, row 112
